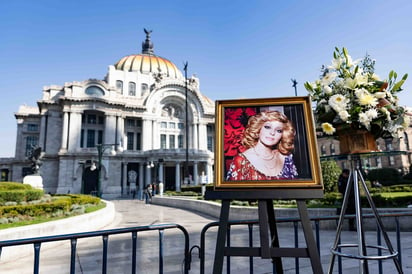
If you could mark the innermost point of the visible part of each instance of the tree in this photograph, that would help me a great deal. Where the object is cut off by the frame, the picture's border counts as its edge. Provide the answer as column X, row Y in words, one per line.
column 330, row 175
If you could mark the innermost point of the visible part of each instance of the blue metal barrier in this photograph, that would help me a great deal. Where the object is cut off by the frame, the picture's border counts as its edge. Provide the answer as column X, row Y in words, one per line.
column 295, row 222
column 134, row 233
column 105, row 234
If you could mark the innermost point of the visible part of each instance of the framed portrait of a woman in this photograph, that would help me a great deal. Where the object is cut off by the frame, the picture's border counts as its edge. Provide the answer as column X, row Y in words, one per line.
column 266, row 143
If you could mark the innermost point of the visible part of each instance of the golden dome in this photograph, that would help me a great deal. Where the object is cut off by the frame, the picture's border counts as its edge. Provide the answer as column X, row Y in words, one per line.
column 148, row 62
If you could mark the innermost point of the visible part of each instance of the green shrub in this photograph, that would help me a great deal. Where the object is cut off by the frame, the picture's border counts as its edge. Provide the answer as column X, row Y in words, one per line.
column 330, row 175
column 19, row 193
column 13, row 186
column 386, row 176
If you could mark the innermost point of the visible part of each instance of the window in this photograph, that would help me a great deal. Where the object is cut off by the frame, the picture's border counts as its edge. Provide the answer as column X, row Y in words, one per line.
column 132, row 89
column 32, row 127
column 130, row 140
column 91, row 119
column 332, row 149
column 92, row 131
column 119, row 85
column 82, row 138
column 388, row 144
column 180, row 126
column 163, row 124
column 130, row 122
column 210, row 137
column 180, row 141
column 323, row 150
column 378, row 162
column 172, row 125
column 90, row 138
column 145, row 88
column 138, row 141
column 210, row 143
column 100, row 137
column 133, row 131
column 94, row 90
column 31, row 142
column 171, row 141
column 163, row 141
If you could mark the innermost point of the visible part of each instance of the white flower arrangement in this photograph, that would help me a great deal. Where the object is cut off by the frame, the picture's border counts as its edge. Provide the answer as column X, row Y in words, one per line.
column 349, row 95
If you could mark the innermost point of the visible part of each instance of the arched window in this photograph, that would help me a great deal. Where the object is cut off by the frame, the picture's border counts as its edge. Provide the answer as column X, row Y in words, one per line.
column 94, row 90
column 132, row 89
column 145, row 88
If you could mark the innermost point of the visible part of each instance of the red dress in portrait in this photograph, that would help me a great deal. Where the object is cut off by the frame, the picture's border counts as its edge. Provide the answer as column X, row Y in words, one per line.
column 242, row 170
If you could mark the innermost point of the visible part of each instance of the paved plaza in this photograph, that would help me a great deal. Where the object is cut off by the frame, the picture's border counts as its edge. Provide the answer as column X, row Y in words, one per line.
column 131, row 213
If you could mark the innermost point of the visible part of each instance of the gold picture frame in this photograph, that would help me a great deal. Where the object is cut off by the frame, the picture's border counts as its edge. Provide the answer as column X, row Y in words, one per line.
column 298, row 165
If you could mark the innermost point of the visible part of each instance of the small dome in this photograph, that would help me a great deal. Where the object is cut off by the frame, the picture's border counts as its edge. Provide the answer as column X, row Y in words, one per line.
column 148, row 62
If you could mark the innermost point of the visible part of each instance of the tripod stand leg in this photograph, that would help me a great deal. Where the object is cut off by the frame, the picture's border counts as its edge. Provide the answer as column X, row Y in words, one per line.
column 380, row 224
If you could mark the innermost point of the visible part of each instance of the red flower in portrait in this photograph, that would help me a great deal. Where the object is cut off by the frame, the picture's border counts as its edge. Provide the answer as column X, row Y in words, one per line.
column 234, row 125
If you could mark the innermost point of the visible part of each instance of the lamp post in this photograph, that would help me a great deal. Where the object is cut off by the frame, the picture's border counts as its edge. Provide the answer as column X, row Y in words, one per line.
column 186, row 168
column 101, row 148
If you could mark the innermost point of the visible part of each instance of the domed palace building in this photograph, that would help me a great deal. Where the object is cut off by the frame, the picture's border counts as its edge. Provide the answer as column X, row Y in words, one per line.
column 144, row 123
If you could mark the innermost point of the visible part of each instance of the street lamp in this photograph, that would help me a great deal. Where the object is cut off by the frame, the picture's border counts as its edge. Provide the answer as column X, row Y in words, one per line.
column 186, row 167
column 101, row 148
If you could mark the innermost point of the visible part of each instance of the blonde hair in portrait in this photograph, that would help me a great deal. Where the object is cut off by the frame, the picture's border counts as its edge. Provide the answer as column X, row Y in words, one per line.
column 255, row 123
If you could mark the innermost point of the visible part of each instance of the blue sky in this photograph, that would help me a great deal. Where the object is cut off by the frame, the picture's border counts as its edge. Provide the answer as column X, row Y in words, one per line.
column 238, row 49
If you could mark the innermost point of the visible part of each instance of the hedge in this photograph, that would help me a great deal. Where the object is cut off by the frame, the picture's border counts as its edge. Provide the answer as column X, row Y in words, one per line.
column 35, row 210
column 20, row 195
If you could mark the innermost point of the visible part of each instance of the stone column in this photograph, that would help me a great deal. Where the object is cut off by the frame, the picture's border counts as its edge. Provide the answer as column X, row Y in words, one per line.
column 155, row 135
column 65, row 131
column 74, row 131
column 124, row 183
column 203, row 137
column 195, row 139
column 195, row 173
column 42, row 138
column 120, row 133
column 147, row 135
column 160, row 173
column 141, row 185
column 110, row 130
column 20, row 151
column 148, row 176
column 177, row 178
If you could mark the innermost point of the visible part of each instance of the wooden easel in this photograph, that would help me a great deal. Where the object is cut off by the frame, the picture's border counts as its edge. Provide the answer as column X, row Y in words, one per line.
column 269, row 244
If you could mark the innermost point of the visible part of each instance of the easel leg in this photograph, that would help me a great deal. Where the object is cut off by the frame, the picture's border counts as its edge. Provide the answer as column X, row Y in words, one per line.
column 221, row 237
column 267, row 217
column 310, row 240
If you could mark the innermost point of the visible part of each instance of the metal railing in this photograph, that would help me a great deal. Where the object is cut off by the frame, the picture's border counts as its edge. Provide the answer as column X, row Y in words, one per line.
column 248, row 224
column 105, row 234
column 295, row 221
